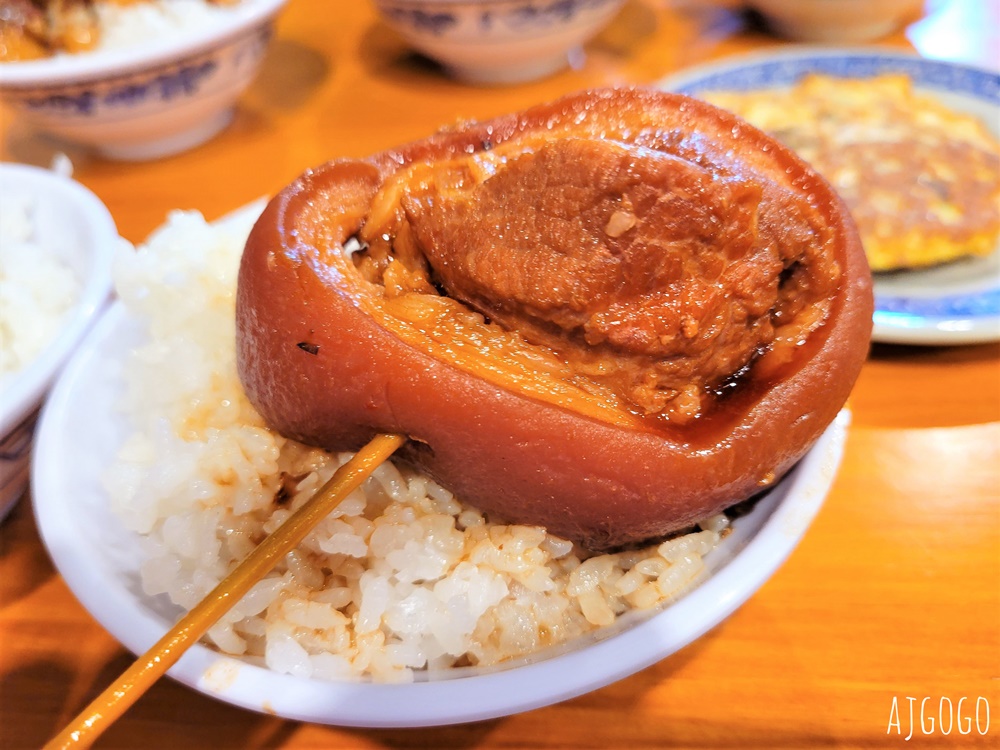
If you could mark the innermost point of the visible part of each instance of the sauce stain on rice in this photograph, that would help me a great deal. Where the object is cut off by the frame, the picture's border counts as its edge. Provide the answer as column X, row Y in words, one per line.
column 221, row 675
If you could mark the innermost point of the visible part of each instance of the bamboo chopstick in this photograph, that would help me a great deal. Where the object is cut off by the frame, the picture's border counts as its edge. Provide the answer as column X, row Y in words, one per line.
column 137, row 679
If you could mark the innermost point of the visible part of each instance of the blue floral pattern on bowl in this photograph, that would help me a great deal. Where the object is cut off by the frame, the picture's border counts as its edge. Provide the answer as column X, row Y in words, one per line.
column 422, row 20
column 516, row 15
column 501, row 42
column 185, row 79
column 984, row 304
column 936, row 74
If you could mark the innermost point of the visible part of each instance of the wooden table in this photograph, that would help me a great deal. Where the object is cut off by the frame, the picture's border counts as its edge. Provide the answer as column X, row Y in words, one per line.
column 893, row 595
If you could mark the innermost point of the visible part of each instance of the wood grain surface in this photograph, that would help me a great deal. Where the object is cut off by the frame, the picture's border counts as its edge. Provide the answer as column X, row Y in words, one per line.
column 892, row 597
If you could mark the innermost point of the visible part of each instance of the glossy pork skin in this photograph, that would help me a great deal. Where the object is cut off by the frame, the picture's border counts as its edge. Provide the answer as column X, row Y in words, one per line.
column 329, row 359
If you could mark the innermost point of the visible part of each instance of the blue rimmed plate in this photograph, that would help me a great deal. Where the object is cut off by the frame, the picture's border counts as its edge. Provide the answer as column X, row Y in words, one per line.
column 957, row 303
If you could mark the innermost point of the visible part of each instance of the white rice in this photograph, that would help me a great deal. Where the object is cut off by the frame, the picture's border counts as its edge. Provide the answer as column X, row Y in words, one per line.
column 37, row 290
column 402, row 578
column 130, row 25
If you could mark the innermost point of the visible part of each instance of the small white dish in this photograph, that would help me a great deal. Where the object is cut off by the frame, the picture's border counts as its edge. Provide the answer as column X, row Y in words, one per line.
column 498, row 41
column 79, row 432
column 150, row 100
column 956, row 303
column 74, row 226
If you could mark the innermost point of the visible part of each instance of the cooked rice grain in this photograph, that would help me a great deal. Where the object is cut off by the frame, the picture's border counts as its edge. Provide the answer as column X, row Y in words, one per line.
column 37, row 289
column 134, row 24
column 401, row 578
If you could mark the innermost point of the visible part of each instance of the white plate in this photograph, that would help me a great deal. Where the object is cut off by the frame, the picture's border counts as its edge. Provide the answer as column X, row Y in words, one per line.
column 958, row 303
column 79, row 432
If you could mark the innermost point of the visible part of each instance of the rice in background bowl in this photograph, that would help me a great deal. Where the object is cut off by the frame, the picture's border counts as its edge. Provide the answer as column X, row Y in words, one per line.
column 38, row 29
column 56, row 244
column 37, row 289
column 401, row 581
column 138, row 23
column 173, row 90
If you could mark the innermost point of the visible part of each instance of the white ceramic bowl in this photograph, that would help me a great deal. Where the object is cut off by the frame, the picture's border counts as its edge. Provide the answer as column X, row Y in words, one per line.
column 498, row 41
column 73, row 226
column 837, row 20
column 150, row 100
column 80, row 432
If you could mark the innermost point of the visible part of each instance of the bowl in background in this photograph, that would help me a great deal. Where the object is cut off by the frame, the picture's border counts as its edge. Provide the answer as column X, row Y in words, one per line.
column 72, row 225
column 149, row 100
column 836, row 20
column 498, row 41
